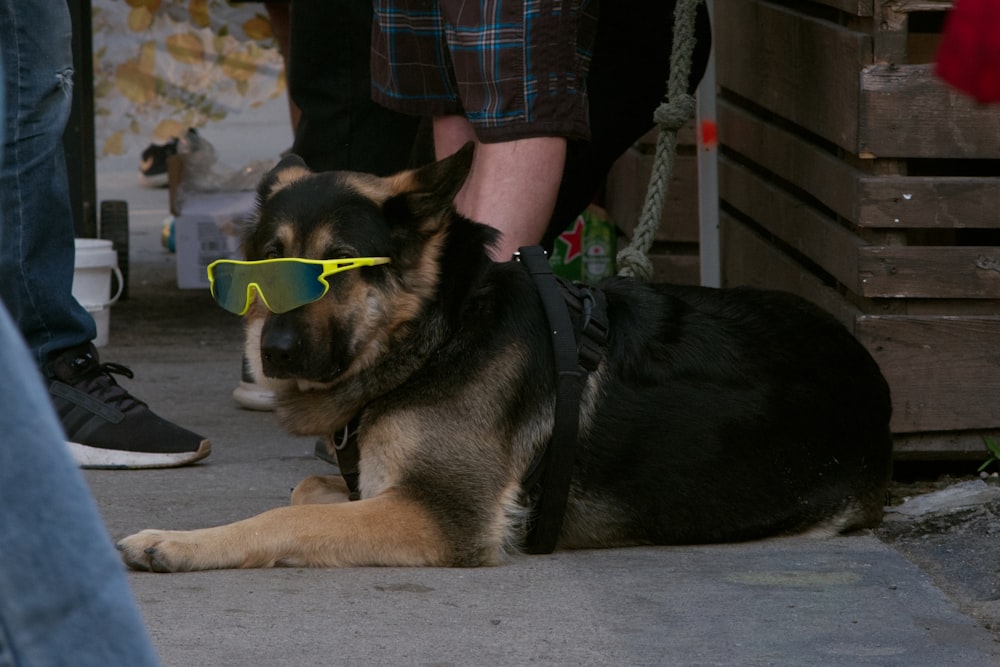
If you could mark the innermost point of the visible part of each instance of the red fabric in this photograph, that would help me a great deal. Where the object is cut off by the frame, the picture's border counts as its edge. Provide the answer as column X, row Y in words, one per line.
column 969, row 56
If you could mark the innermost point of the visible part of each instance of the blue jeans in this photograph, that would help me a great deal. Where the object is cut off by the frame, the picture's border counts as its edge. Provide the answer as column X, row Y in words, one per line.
column 64, row 597
column 36, row 235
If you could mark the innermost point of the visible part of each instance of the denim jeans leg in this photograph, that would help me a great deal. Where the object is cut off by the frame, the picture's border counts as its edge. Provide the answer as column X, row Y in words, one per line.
column 64, row 595
column 36, row 221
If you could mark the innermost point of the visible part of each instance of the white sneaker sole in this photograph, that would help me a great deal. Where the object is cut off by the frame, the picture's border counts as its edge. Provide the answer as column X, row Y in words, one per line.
column 156, row 181
column 253, row 397
column 95, row 457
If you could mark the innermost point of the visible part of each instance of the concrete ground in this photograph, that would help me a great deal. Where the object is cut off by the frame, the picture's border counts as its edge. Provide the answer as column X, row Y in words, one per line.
column 848, row 601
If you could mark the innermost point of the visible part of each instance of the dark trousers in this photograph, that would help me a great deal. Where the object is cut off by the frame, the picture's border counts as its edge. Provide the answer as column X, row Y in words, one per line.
column 329, row 79
column 627, row 81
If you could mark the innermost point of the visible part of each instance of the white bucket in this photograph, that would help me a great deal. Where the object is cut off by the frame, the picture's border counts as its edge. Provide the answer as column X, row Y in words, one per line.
column 96, row 262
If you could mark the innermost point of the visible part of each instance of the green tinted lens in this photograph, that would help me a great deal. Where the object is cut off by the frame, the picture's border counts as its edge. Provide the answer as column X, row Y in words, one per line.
column 223, row 290
column 287, row 285
column 284, row 286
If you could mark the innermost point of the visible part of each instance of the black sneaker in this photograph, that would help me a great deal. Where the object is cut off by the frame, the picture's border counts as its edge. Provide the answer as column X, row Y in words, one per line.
column 153, row 166
column 106, row 427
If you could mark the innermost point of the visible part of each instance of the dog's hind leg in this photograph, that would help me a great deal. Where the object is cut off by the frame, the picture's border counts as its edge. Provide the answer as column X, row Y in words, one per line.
column 385, row 530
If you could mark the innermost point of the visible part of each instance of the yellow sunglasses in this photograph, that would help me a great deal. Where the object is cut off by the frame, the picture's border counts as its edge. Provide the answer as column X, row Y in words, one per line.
column 283, row 284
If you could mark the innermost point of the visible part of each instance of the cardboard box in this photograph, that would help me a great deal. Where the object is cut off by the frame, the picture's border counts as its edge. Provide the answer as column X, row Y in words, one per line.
column 209, row 229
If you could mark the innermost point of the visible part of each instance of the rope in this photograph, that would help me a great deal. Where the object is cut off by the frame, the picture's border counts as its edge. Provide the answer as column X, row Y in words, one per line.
column 677, row 109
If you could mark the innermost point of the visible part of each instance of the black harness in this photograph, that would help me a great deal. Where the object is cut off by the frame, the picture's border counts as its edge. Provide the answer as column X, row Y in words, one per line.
column 577, row 316
column 578, row 350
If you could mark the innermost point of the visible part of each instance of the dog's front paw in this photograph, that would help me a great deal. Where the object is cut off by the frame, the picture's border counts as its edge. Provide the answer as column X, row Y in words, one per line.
column 158, row 551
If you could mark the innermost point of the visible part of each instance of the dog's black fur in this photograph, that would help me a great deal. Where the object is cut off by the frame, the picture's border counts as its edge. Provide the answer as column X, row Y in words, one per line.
column 716, row 415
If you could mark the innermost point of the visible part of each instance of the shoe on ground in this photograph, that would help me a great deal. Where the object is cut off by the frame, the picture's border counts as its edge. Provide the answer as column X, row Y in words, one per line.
column 250, row 395
column 105, row 426
column 153, row 164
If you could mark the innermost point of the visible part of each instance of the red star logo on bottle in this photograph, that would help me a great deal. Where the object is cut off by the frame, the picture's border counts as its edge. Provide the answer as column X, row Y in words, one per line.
column 573, row 238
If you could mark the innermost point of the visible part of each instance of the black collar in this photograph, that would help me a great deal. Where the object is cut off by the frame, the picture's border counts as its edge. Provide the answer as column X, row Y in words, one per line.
column 345, row 447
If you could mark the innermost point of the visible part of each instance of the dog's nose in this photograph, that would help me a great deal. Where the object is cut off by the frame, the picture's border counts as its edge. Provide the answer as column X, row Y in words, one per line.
column 280, row 351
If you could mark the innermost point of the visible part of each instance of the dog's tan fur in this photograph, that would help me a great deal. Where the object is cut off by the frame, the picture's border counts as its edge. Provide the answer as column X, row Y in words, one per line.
column 386, row 530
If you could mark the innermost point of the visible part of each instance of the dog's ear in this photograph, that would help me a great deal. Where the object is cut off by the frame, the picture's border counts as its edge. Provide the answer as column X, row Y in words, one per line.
column 428, row 192
column 291, row 168
column 445, row 177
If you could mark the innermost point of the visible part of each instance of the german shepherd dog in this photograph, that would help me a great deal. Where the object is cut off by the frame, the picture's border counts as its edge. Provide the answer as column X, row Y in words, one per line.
column 715, row 415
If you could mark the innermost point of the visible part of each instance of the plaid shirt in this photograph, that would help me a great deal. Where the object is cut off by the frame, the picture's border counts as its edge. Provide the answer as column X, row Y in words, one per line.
column 508, row 65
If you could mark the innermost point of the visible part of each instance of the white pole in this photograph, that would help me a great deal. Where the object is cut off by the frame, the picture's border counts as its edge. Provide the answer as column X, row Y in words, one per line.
column 708, row 173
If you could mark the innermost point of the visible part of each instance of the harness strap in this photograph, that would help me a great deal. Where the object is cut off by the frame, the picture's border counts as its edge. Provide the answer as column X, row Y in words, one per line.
column 589, row 306
column 550, row 474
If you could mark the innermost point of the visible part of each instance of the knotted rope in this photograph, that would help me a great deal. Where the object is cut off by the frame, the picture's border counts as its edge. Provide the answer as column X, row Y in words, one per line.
column 676, row 110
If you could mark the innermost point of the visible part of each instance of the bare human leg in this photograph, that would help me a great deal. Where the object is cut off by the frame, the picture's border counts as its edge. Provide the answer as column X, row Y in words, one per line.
column 512, row 185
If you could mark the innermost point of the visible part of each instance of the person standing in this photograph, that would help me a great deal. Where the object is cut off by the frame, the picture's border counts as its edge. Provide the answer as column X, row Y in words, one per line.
column 509, row 76
column 105, row 425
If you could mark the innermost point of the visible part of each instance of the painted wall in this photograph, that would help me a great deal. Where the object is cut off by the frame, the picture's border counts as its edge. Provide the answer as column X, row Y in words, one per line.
column 161, row 66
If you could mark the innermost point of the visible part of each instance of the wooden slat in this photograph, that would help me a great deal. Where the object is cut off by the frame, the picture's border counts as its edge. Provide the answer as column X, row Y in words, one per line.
column 852, row 7
column 749, row 259
column 802, row 68
column 942, row 272
column 951, row 202
column 907, row 6
column 676, row 268
column 942, row 445
column 628, row 182
column 906, row 111
column 803, row 164
column 871, row 271
column 944, row 372
column 802, row 227
column 892, row 202
column 938, row 307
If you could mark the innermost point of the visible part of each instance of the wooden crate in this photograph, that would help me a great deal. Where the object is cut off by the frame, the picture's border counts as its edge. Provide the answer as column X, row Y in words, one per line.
column 675, row 249
column 849, row 174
